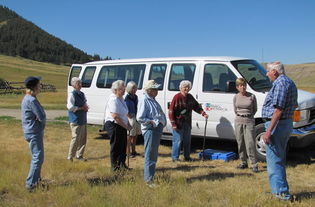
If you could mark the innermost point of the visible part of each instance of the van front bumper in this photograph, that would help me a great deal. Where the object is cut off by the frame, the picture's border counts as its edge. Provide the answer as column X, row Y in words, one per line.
column 302, row 137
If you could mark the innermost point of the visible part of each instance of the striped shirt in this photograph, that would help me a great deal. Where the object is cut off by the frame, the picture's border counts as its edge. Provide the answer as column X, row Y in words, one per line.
column 282, row 95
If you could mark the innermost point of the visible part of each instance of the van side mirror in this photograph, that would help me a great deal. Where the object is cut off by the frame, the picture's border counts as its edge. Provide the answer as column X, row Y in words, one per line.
column 231, row 87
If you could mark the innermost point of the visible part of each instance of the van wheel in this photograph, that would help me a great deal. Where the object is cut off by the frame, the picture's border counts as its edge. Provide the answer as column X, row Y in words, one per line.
column 260, row 145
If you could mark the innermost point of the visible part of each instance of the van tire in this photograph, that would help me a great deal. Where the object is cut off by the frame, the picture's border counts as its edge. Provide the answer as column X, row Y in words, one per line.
column 259, row 143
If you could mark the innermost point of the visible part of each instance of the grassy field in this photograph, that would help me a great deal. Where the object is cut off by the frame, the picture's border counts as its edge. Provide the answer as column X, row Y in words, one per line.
column 16, row 69
column 91, row 183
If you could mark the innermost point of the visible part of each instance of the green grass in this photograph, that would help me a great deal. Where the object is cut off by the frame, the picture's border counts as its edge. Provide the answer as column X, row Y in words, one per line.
column 16, row 69
column 91, row 183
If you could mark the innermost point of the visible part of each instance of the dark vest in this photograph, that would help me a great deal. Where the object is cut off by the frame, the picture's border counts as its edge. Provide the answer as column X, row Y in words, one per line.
column 78, row 117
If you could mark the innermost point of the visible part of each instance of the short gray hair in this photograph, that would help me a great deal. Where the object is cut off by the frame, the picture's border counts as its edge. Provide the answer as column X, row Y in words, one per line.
column 130, row 85
column 117, row 84
column 185, row 83
column 277, row 65
column 74, row 81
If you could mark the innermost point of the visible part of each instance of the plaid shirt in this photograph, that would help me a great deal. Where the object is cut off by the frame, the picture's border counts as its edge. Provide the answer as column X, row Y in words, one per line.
column 283, row 95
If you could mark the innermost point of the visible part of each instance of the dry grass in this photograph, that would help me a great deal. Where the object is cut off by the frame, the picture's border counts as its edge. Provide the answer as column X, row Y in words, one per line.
column 91, row 183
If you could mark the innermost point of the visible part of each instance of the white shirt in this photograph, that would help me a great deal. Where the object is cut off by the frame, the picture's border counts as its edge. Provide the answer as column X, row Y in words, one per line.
column 116, row 105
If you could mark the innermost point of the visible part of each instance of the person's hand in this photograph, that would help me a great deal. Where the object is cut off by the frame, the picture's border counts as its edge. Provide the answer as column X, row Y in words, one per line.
column 206, row 116
column 266, row 137
column 129, row 127
column 85, row 108
column 174, row 127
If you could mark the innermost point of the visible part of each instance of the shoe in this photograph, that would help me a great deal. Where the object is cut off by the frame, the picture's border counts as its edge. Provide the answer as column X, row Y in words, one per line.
column 132, row 156
column 70, row 159
column 175, row 160
column 125, row 167
column 135, row 153
column 82, row 159
column 242, row 166
column 255, row 169
column 284, row 196
column 31, row 188
column 151, row 184
column 188, row 159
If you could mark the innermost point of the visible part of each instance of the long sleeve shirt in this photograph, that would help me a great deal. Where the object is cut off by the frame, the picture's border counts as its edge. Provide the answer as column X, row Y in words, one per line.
column 33, row 115
column 180, row 110
column 150, row 110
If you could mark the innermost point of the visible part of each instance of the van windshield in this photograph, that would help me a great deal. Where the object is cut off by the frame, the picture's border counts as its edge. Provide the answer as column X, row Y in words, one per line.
column 254, row 74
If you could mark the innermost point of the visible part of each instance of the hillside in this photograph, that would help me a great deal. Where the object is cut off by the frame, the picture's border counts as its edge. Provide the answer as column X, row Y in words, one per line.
column 302, row 74
column 19, row 37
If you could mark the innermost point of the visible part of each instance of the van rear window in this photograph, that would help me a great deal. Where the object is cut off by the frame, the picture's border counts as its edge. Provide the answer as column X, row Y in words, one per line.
column 75, row 72
column 109, row 74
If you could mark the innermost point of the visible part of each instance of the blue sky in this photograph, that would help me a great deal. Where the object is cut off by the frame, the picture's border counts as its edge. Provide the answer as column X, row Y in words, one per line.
column 265, row 30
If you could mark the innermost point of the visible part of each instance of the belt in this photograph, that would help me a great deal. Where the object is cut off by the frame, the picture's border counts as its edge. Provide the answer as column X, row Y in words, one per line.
column 269, row 119
column 246, row 115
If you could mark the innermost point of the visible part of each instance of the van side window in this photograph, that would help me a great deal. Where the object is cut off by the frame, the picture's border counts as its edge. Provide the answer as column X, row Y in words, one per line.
column 157, row 73
column 215, row 77
column 109, row 74
column 88, row 76
column 75, row 72
column 181, row 72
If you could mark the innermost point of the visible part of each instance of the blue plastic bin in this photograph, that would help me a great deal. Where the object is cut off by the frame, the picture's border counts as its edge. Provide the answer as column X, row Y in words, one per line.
column 211, row 154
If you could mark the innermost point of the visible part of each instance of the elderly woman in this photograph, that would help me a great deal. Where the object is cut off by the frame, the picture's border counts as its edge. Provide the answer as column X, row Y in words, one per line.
column 33, row 123
column 116, row 124
column 77, row 110
column 131, row 100
column 180, row 112
column 245, row 107
column 152, row 120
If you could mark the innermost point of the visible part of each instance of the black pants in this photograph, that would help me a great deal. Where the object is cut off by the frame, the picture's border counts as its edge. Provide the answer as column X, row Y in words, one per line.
column 118, row 144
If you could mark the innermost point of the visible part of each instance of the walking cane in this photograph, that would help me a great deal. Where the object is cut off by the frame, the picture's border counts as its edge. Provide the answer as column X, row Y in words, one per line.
column 204, row 140
column 128, row 150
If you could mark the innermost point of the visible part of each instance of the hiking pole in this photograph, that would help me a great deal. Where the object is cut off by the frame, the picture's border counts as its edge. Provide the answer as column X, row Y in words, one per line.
column 204, row 141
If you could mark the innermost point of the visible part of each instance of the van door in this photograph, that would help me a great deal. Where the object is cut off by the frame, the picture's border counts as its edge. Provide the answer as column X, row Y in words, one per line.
column 177, row 73
column 216, row 101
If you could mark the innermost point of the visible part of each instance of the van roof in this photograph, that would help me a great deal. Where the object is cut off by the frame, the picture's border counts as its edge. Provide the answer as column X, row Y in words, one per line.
column 161, row 59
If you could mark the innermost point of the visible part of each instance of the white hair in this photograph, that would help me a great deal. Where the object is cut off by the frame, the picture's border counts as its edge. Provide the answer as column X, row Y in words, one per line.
column 74, row 81
column 185, row 83
column 130, row 85
column 277, row 65
column 117, row 84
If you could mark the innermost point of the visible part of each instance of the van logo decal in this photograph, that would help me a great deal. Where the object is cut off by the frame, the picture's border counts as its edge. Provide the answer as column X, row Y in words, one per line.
column 213, row 107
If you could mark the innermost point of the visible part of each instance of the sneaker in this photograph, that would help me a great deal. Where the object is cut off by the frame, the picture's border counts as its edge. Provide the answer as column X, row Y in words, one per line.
column 82, row 159
column 151, row 184
column 284, row 196
column 242, row 166
column 255, row 169
column 70, row 159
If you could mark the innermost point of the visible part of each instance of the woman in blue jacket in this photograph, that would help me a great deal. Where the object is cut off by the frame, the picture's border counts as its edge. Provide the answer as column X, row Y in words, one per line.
column 33, row 123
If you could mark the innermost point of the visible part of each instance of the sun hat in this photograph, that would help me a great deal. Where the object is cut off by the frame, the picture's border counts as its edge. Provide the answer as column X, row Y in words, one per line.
column 31, row 81
column 151, row 84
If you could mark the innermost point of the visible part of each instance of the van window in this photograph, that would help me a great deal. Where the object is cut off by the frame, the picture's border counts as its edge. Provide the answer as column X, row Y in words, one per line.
column 109, row 74
column 181, row 72
column 87, row 76
column 157, row 73
column 75, row 72
column 216, row 76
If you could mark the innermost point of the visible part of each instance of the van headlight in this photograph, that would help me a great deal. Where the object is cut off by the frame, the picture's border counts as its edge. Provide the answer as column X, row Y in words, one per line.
column 300, row 115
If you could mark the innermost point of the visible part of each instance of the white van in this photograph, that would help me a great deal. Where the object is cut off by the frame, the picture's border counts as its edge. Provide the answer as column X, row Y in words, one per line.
column 213, row 85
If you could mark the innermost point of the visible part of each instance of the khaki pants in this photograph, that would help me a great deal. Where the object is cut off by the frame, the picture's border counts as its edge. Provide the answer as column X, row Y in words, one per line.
column 78, row 141
column 245, row 137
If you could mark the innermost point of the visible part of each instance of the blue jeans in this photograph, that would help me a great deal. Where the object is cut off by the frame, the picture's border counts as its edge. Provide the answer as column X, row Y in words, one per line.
column 37, row 150
column 276, row 156
column 179, row 136
column 151, row 147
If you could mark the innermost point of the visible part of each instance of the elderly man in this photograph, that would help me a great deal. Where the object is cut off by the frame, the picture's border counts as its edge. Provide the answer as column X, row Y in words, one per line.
column 180, row 113
column 152, row 119
column 278, row 111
